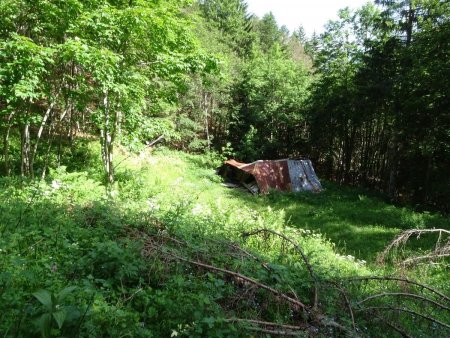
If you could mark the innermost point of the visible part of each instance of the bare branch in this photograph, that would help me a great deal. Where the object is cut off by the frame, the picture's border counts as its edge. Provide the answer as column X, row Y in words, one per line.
column 396, row 328
column 403, row 294
column 298, row 249
column 270, row 324
column 237, row 275
column 403, row 237
column 347, row 301
column 398, row 279
column 287, row 239
column 429, row 257
column 399, row 309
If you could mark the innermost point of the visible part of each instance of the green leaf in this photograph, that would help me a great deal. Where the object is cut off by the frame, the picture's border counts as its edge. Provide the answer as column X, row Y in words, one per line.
column 60, row 317
column 45, row 298
column 64, row 293
column 44, row 324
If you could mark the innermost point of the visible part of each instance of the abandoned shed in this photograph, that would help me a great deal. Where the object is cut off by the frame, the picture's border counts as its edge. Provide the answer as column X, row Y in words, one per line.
column 286, row 175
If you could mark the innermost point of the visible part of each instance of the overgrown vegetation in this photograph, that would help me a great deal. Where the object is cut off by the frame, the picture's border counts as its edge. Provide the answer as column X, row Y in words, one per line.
column 171, row 252
column 100, row 237
column 367, row 99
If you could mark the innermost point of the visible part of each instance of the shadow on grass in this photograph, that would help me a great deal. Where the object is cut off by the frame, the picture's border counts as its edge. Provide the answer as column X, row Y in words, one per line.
column 359, row 224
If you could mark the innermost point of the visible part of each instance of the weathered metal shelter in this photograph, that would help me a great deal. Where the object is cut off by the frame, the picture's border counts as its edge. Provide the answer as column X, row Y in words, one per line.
column 286, row 175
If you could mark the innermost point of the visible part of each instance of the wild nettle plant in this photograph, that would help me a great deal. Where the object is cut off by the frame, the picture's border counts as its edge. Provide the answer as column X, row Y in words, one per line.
column 54, row 310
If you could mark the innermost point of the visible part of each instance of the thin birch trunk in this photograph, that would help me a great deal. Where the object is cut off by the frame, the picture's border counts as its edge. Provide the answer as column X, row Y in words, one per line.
column 38, row 137
column 7, row 169
column 107, row 141
column 205, row 106
column 25, row 160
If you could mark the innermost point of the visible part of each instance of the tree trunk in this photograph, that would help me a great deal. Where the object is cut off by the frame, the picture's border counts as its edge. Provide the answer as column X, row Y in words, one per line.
column 7, row 169
column 51, row 137
column 38, row 138
column 427, row 178
column 106, row 140
column 25, row 160
column 205, row 106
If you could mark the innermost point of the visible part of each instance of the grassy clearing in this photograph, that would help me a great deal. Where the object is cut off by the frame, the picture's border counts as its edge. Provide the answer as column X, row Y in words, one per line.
column 357, row 222
column 68, row 234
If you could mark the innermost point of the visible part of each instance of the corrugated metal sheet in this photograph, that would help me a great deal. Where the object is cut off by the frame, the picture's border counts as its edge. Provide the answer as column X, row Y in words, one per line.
column 285, row 175
column 311, row 175
column 303, row 177
column 272, row 175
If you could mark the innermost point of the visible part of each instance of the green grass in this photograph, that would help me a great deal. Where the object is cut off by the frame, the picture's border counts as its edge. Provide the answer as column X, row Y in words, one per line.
column 359, row 223
column 69, row 231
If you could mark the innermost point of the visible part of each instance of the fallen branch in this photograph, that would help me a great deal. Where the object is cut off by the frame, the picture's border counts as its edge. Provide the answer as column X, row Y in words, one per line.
column 287, row 239
column 429, row 257
column 245, row 278
column 347, row 301
column 276, row 332
column 399, row 309
column 152, row 143
column 299, row 250
column 398, row 279
column 269, row 324
column 239, row 276
column 396, row 328
column 290, row 330
column 403, row 237
column 403, row 294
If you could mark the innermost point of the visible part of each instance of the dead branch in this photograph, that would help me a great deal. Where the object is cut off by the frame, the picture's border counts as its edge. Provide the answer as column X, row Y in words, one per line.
column 152, row 143
column 327, row 322
column 287, row 239
column 396, row 328
column 429, row 257
column 234, row 247
column 239, row 276
column 291, row 330
column 283, row 330
column 248, row 254
column 276, row 332
column 318, row 318
column 245, row 278
column 263, row 264
column 347, row 301
column 398, row 279
column 404, row 294
column 299, row 250
column 404, row 236
column 399, row 309
column 268, row 324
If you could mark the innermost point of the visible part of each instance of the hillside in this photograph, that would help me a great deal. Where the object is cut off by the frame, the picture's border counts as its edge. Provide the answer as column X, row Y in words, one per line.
column 115, row 114
column 162, row 254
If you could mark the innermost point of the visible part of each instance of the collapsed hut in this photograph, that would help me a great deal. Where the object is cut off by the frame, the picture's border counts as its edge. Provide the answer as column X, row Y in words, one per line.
column 293, row 175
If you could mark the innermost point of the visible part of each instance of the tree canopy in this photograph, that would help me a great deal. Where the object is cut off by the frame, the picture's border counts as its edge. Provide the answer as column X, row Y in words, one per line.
column 367, row 99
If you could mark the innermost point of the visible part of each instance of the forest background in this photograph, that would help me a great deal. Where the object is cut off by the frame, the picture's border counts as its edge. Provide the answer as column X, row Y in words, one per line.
column 367, row 99
column 106, row 233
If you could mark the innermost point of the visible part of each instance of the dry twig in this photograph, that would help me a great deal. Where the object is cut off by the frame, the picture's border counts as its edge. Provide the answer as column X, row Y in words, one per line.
column 299, row 250
column 404, row 294
column 439, row 251
column 394, row 327
column 404, row 280
column 399, row 309
column 347, row 301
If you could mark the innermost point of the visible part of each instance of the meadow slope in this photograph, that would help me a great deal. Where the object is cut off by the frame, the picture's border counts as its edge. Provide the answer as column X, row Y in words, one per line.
column 78, row 260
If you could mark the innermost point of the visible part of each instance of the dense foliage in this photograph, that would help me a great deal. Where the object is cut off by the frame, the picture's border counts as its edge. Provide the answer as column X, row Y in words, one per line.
column 379, row 110
column 77, row 264
column 367, row 99
column 149, row 244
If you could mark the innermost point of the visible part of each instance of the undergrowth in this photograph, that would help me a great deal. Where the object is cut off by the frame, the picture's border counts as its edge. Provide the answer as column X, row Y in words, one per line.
column 78, row 260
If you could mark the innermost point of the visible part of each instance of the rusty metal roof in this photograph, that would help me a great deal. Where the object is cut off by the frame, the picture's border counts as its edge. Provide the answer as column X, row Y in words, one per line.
column 284, row 175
